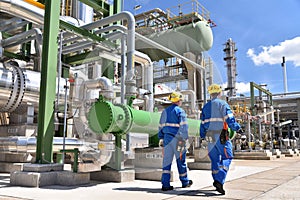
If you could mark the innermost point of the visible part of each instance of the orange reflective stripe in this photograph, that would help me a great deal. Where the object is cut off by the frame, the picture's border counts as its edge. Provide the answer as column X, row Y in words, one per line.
column 225, row 126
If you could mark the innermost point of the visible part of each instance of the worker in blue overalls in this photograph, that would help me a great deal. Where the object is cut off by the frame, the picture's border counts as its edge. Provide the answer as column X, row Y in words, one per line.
column 173, row 134
column 216, row 117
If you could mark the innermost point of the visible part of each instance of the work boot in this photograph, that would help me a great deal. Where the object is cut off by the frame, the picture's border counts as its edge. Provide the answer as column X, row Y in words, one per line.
column 188, row 185
column 219, row 187
column 167, row 188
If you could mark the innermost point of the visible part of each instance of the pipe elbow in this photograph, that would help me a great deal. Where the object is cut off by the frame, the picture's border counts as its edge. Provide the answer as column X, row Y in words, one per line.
column 106, row 87
column 130, row 18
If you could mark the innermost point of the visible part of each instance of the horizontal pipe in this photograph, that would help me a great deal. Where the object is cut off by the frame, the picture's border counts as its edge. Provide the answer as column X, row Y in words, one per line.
column 23, row 10
column 106, row 117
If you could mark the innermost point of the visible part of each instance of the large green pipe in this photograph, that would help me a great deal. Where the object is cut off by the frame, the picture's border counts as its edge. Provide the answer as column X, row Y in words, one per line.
column 105, row 117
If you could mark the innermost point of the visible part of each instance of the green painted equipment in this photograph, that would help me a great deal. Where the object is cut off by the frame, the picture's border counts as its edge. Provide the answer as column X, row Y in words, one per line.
column 105, row 117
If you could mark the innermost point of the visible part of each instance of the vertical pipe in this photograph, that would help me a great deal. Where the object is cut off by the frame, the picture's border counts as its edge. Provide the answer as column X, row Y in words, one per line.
column 118, row 152
column 1, row 48
column 284, row 75
column 252, row 97
column 65, row 121
column 63, row 5
column 249, row 132
column 260, row 128
column 123, row 66
column 130, row 80
column 59, row 68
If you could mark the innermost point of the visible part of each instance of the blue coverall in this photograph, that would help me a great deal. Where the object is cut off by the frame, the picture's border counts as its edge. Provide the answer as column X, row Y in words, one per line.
column 173, row 127
column 214, row 114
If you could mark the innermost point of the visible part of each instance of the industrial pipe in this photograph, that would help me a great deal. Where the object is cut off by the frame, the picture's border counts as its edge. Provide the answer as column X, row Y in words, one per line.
column 147, row 76
column 23, row 10
column 32, row 34
column 18, row 87
column 106, row 117
column 130, row 40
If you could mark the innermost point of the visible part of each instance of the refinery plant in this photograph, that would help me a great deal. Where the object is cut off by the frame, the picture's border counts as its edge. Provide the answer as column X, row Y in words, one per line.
column 84, row 82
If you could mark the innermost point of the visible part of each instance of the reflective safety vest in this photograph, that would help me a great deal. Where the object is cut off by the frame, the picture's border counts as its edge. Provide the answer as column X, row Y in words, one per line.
column 214, row 113
column 173, row 121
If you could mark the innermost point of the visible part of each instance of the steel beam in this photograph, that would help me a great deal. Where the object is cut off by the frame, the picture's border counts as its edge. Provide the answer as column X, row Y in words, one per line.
column 47, row 85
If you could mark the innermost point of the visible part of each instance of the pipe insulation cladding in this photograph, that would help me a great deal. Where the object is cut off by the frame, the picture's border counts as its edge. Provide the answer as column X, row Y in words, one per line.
column 196, row 38
column 19, row 87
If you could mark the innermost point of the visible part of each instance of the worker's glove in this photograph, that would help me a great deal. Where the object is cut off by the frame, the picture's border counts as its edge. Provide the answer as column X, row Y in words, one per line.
column 201, row 140
column 241, row 131
column 161, row 143
column 180, row 145
column 203, row 143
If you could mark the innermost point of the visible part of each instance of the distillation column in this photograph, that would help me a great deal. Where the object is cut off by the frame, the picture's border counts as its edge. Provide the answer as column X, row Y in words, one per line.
column 230, row 60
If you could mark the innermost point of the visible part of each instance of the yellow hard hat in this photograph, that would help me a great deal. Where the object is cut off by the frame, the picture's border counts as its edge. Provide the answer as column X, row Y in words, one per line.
column 175, row 97
column 214, row 88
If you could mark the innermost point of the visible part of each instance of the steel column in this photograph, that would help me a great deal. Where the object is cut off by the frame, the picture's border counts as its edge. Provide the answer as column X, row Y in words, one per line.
column 47, row 84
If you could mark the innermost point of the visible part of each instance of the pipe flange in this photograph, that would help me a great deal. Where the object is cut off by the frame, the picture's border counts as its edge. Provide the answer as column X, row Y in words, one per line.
column 96, row 121
column 17, row 89
column 128, row 118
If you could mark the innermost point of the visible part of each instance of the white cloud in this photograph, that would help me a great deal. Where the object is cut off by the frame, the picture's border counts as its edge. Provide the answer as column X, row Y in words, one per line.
column 290, row 49
column 241, row 88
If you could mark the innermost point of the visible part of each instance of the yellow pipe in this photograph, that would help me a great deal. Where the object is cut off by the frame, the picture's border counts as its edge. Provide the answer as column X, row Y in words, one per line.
column 35, row 3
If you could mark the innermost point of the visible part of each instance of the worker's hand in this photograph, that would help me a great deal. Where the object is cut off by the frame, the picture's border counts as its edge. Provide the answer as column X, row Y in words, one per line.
column 161, row 143
column 240, row 131
column 203, row 143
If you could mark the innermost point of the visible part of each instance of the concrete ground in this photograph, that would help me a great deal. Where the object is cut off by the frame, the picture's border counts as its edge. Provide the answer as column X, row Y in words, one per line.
column 247, row 179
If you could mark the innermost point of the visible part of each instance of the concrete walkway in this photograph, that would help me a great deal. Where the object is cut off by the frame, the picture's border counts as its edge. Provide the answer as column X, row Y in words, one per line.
column 247, row 179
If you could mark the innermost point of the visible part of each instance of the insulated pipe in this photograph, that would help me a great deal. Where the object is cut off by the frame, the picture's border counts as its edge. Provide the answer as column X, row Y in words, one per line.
column 123, row 67
column 130, row 82
column 102, row 83
column 111, row 28
column 147, row 77
column 23, row 10
column 1, row 48
column 192, row 94
column 149, row 71
column 18, row 87
column 79, row 46
column 26, row 37
column 114, row 35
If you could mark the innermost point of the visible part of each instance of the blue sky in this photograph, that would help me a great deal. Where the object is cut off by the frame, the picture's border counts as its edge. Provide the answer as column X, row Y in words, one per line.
column 263, row 30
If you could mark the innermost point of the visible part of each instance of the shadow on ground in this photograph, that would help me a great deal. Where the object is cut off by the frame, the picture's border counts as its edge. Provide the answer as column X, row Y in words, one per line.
column 176, row 191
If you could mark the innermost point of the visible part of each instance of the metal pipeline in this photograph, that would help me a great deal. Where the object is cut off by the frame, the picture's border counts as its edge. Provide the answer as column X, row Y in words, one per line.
column 106, row 117
column 23, row 10
column 192, row 95
column 102, row 83
column 18, row 87
column 33, row 34
column 130, row 82
column 147, row 77
column 82, row 100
